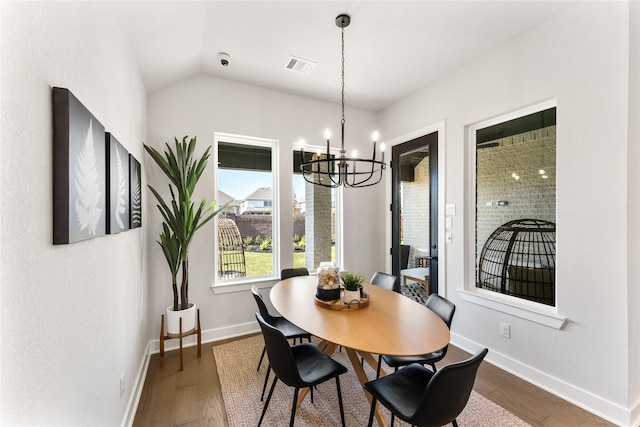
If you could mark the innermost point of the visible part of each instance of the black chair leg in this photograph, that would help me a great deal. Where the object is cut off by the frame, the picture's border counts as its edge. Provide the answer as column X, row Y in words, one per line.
column 293, row 408
column 340, row 401
column 266, row 379
column 264, row 349
column 379, row 364
column 264, row 410
column 455, row 423
column 311, row 389
column 393, row 419
column 373, row 408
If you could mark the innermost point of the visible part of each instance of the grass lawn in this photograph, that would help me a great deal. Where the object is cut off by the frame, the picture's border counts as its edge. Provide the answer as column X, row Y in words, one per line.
column 261, row 263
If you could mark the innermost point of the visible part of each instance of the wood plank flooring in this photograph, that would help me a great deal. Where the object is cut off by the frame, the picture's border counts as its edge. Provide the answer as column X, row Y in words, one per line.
column 193, row 397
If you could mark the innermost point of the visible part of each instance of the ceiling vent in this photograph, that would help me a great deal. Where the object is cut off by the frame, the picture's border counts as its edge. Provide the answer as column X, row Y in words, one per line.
column 300, row 65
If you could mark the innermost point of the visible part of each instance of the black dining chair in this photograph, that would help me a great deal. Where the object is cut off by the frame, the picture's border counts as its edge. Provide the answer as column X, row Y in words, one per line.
column 387, row 281
column 298, row 366
column 445, row 309
column 425, row 398
column 293, row 272
column 288, row 329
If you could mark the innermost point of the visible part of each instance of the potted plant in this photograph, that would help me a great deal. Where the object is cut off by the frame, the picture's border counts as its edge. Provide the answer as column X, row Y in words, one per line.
column 181, row 221
column 352, row 283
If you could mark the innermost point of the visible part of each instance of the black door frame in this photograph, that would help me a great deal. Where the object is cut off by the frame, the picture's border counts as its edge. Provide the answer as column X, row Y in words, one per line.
column 430, row 140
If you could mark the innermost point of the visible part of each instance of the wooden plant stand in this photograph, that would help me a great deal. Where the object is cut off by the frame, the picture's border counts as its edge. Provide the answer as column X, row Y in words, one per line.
column 180, row 335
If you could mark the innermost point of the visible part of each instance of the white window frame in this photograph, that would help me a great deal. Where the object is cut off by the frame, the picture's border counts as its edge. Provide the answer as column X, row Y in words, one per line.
column 529, row 310
column 229, row 285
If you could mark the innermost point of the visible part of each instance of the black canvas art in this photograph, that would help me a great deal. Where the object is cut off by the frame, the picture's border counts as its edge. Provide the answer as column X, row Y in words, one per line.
column 79, row 189
column 135, row 192
column 118, row 184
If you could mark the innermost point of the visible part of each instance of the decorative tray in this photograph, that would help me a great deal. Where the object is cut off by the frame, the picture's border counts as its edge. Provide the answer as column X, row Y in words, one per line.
column 337, row 304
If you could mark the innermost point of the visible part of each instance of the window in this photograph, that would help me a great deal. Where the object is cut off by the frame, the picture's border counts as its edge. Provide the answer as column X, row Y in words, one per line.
column 315, row 216
column 515, row 205
column 247, row 230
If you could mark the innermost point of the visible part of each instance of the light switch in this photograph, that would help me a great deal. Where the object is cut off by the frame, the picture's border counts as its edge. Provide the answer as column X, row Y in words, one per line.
column 447, row 237
column 447, row 223
column 450, row 209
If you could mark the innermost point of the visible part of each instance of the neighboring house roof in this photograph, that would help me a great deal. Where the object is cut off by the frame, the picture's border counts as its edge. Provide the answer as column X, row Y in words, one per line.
column 262, row 193
column 223, row 197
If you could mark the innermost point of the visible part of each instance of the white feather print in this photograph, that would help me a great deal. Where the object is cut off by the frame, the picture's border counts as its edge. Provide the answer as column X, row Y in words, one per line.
column 88, row 208
column 136, row 210
column 122, row 190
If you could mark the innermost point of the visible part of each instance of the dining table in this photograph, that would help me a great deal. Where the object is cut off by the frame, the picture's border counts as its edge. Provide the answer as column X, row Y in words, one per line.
column 386, row 322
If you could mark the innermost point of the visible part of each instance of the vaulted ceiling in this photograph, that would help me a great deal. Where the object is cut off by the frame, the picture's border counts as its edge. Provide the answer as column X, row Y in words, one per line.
column 392, row 48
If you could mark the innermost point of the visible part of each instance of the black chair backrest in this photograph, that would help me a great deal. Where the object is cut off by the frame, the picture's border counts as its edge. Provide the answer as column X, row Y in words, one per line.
column 280, row 354
column 387, row 281
column 448, row 392
column 293, row 272
column 442, row 307
column 404, row 256
column 264, row 311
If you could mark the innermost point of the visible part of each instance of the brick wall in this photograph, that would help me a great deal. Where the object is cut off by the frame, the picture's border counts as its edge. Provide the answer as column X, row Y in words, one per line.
column 529, row 196
column 415, row 212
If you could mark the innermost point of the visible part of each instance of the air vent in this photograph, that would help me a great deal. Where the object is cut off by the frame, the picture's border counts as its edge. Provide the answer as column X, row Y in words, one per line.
column 300, row 65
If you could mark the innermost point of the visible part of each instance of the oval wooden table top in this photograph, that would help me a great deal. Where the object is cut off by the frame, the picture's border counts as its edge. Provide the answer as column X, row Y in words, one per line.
column 391, row 324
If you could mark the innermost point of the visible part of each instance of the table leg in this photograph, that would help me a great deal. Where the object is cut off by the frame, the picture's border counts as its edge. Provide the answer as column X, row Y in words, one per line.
column 362, row 376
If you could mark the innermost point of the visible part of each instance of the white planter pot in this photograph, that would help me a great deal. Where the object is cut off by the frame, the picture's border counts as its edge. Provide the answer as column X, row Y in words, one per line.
column 349, row 296
column 188, row 319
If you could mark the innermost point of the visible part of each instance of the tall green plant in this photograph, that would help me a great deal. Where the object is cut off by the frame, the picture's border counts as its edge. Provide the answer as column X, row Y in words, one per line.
column 181, row 217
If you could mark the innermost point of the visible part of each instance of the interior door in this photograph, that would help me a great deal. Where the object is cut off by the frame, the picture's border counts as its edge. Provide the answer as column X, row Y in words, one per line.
column 414, row 207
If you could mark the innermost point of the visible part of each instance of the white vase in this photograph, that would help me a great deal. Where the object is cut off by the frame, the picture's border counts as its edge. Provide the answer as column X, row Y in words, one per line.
column 349, row 296
column 188, row 319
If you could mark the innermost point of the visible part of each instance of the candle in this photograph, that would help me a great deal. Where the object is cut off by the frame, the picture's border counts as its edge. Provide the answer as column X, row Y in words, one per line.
column 327, row 135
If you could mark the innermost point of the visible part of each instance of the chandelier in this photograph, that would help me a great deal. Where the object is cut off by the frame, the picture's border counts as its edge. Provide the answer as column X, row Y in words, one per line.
column 330, row 171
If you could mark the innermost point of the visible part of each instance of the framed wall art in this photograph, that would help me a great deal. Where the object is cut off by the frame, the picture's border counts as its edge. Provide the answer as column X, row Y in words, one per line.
column 135, row 197
column 79, row 188
column 118, row 184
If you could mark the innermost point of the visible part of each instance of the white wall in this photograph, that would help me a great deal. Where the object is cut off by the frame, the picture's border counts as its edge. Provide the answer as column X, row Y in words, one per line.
column 73, row 316
column 581, row 58
column 203, row 105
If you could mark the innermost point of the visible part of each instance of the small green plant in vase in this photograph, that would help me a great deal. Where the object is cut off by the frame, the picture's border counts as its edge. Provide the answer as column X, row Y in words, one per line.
column 351, row 283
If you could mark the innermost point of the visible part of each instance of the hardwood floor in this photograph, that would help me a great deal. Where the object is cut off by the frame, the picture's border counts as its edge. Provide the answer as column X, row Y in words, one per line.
column 193, row 397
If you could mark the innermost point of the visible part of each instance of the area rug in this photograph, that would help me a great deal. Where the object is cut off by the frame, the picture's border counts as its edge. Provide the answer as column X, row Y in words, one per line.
column 242, row 384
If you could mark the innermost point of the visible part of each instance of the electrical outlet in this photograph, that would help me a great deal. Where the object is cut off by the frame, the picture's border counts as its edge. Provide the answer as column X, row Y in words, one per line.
column 505, row 330
column 122, row 385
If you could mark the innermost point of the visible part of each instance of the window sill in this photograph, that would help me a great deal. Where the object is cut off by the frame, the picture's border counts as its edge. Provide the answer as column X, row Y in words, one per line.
column 243, row 284
column 528, row 310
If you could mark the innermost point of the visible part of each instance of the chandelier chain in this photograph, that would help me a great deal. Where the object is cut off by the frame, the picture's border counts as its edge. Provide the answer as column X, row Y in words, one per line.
column 342, row 88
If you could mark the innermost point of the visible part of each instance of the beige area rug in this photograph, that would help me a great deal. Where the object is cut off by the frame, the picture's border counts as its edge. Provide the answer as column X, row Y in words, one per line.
column 242, row 384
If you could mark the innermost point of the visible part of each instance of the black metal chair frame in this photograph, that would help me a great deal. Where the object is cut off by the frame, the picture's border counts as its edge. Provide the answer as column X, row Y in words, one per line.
column 288, row 329
column 299, row 366
column 425, row 398
column 445, row 309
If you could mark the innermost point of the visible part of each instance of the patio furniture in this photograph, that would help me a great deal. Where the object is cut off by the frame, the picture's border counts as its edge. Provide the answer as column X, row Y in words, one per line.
column 231, row 261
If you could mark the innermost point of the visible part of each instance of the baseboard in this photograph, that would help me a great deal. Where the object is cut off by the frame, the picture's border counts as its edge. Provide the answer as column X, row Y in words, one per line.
column 586, row 400
column 136, row 392
column 153, row 347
